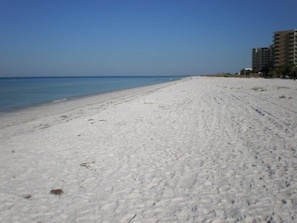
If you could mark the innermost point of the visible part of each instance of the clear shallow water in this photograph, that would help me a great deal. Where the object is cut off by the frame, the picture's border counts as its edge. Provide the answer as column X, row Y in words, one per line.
column 17, row 93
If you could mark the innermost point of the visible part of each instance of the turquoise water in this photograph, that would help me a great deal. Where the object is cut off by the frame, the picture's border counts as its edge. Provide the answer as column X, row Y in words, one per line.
column 17, row 93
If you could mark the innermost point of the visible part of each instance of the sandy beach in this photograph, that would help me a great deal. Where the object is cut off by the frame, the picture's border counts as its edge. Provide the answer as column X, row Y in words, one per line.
column 200, row 149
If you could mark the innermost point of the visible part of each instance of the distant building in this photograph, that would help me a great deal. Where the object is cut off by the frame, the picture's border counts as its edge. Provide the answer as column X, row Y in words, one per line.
column 261, row 58
column 285, row 48
column 245, row 71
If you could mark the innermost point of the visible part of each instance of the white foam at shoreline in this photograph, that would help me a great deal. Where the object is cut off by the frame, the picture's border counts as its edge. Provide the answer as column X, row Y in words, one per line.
column 59, row 100
column 214, row 149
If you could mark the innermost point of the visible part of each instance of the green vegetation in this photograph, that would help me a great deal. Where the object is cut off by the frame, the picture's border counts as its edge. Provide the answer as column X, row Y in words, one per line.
column 284, row 71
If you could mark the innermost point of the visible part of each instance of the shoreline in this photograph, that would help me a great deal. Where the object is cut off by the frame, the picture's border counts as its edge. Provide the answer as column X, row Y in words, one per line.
column 199, row 149
column 46, row 109
column 103, row 85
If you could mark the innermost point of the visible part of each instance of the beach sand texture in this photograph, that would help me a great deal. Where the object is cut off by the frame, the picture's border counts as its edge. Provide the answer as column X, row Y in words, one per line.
column 197, row 150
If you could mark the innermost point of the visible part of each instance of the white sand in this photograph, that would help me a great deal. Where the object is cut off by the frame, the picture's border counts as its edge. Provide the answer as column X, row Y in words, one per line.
column 197, row 150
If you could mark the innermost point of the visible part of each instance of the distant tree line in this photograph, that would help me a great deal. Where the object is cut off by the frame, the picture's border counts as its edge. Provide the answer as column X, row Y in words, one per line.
column 283, row 71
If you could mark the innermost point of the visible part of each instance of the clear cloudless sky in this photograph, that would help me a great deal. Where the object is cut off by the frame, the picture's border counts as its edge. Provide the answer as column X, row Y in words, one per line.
column 140, row 37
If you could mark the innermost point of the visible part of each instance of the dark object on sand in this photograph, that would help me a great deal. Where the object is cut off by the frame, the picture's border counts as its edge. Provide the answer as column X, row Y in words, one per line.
column 57, row 192
column 27, row 196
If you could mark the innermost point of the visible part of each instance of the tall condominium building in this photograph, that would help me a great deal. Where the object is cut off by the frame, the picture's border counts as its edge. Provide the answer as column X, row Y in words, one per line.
column 285, row 48
column 261, row 58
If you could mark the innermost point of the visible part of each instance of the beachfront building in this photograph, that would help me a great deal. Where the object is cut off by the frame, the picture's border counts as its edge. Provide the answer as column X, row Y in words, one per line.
column 246, row 71
column 261, row 58
column 285, row 48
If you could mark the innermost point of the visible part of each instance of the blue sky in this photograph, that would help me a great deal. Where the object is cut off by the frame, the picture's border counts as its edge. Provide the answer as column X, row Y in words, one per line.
column 144, row 37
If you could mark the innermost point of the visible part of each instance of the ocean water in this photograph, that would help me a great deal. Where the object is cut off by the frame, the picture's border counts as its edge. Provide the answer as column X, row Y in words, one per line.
column 18, row 93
